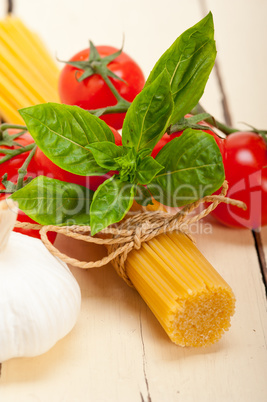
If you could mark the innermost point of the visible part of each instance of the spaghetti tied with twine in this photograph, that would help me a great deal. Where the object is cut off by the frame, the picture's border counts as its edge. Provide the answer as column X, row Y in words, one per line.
column 131, row 233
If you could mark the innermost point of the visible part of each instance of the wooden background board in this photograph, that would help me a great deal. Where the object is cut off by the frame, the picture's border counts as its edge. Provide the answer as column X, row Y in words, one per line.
column 117, row 350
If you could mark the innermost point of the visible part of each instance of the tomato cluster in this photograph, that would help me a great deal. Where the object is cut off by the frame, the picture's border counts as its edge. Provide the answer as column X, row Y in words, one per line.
column 244, row 153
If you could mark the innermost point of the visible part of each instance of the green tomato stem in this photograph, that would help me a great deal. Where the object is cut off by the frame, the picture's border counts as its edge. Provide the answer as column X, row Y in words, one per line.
column 112, row 87
column 14, row 152
column 121, row 107
column 22, row 171
column 221, row 126
column 6, row 126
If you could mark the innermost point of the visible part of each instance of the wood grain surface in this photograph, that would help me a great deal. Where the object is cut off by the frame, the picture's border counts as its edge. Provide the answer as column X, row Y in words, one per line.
column 117, row 351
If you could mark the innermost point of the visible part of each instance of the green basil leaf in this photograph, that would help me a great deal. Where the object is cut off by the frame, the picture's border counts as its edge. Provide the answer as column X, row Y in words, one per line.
column 112, row 200
column 143, row 196
column 63, row 132
column 106, row 153
column 143, row 153
column 193, row 168
column 189, row 61
column 54, row 202
column 147, row 170
column 148, row 116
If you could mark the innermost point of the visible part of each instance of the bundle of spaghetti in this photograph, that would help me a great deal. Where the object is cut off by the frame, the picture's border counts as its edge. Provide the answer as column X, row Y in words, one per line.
column 190, row 299
column 28, row 74
column 187, row 295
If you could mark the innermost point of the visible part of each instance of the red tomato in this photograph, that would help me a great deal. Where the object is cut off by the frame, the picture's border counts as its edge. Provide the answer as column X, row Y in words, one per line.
column 167, row 138
column 47, row 168
column 246, row 173
column 11, row 166
column 93, row 92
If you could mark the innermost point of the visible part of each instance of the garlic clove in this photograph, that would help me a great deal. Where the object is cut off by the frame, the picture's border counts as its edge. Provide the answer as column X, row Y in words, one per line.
column 39, row 298
column 8, row 217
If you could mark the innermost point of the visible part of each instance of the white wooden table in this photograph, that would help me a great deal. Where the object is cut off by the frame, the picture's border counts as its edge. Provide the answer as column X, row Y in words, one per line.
column 118, row 352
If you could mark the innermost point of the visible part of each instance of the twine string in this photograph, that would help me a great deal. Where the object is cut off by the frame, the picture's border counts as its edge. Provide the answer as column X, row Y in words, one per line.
column 130, row 234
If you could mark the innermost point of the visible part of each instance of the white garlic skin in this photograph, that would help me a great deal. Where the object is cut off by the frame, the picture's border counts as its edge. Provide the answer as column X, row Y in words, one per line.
column 39, row 298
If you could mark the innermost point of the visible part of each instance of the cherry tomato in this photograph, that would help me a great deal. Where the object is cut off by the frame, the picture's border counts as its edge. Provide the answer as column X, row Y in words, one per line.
column 167, row 138
column 12, row 165
column 93, row 92
column 246, row 173
column 47, row 168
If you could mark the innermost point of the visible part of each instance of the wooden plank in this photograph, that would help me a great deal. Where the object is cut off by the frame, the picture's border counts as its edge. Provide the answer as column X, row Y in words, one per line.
column 118, row 351
column 118, row 342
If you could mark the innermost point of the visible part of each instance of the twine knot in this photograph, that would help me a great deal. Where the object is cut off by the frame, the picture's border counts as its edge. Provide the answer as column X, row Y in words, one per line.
column 137, row 237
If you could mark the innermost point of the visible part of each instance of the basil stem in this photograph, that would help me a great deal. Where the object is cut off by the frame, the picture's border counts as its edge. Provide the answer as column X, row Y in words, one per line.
column 214, row 122
column 23, row 169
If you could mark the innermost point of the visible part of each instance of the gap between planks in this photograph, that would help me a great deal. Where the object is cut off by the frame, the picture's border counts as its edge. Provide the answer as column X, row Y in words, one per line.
column 144, row 363
column 9, row 6
column 261, row 256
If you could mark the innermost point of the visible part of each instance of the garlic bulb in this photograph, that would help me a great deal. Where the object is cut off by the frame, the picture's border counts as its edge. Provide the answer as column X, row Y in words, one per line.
column 39, row 297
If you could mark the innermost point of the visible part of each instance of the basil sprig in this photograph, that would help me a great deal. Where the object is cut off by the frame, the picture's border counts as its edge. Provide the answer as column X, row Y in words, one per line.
column 187, row 168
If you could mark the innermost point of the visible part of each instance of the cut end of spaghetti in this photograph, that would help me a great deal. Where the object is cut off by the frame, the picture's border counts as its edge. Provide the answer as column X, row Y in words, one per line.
column 201, row 320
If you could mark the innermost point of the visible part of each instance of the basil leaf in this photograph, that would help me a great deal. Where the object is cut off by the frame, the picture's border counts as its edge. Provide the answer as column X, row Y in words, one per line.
column 54, row 202
column 112, row 200
column 189, row 62
column 63, row 132
column 105, row 154
column 148, row 116
column 193, row 168
column 143, row 153
column 147, row 170
column 143, row 196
